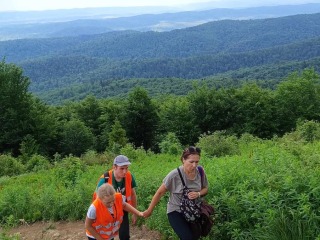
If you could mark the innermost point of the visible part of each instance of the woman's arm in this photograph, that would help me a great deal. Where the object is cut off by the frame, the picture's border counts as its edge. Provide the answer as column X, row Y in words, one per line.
column 155, row 199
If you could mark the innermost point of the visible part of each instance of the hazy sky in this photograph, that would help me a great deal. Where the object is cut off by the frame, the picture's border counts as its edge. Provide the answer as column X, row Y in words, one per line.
column 27, row 5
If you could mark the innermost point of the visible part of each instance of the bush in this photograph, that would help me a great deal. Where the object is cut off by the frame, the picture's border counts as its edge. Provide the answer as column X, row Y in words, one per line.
column 309, row 131
column 170, row 144
column 10, row 166
column 92, row 158
column 132, row 153
column 218, row 144
column 37, row 162
column 69, row 170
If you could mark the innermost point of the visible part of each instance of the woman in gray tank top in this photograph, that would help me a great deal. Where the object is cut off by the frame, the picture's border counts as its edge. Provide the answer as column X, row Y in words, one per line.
column 172, row 183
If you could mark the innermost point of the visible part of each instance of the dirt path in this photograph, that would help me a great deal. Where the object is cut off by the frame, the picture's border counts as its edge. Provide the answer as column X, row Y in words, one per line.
column 72, row 231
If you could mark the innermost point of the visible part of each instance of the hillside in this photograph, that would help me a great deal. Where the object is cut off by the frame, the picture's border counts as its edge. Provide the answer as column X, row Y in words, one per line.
column 103, row 63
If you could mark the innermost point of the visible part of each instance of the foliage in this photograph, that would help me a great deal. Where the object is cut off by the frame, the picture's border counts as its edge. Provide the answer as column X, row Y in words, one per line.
column 309, row 131
column 109, row 124
column 76, row 138
column 15, row 105
column 175, row 116
column 133, row 153
column 117, row 137
column 93, row 158
column 170, row 144
column 297, row 99
column 141, row 119
column 10, row 166
column 37, row 163
column 218, row 144
column 69, row 169
column 235, row 45
column 28, row 147
column 4, row 236
column 263, row 192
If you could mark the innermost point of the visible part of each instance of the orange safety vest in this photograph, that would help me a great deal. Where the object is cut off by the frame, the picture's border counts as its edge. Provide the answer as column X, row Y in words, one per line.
column 128, row 184
column 106, row 225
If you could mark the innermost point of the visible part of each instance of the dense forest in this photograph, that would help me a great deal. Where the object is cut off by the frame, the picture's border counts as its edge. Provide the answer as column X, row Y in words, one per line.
column 217, row 53
column 260, row 148
column 29, row 126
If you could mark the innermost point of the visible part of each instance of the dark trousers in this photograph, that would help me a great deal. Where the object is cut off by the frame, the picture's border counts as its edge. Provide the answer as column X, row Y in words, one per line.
column 181, row 227
column 124, row 233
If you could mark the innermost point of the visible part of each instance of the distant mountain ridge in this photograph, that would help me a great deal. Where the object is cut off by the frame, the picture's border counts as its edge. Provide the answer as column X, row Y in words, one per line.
column 96, row 21
column 222, row 52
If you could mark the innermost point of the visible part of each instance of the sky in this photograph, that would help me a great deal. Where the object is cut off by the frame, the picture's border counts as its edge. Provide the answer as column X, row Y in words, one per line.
column 36, row 5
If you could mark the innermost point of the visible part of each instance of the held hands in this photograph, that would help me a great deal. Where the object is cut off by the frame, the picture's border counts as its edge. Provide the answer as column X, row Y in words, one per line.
column 134, row 216
column 193, row 195
column 147, row 213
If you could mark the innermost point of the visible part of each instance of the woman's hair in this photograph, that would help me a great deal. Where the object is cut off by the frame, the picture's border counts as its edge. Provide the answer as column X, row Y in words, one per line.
column 190, row 151
column 105, row 190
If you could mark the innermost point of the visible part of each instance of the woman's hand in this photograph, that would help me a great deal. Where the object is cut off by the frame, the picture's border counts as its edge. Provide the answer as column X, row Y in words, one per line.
column 147, row 213
column 193, row 195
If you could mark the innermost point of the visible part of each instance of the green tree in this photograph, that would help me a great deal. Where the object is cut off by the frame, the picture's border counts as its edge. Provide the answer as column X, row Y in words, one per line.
column 112, row 110
column 254, row 111
column 298, row 98
column 211, row 109
column 89, row 112
column 15, row 107
column 175, row 117
column 117, row 136
column 76, row 138
column 141, row 119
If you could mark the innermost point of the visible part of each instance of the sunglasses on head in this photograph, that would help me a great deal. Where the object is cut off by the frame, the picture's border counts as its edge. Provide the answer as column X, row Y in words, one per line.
column 194, row 150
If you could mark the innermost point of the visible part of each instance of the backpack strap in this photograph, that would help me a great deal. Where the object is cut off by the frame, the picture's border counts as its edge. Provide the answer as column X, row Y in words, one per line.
column 201, row 171
column 181, row 177
column 106, row 176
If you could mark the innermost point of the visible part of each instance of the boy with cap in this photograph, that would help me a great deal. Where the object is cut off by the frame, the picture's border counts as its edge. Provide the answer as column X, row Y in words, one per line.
column 124, row 182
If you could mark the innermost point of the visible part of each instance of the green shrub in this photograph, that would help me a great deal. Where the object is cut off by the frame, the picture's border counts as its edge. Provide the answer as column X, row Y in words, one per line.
column 170, row 144
column 309, row 131
column 267, row 194
column 37, row 162
column 10, row 166
column 132, row 153
column 218, row 144
column 69, row 170
column 4, row 236
column 92, row 158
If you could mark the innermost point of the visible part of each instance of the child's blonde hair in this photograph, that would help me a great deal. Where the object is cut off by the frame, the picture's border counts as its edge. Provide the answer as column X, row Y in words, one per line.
column 105, row 190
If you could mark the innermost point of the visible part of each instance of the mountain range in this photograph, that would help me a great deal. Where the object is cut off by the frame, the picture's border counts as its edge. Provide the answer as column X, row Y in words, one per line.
column 75, row 22
column 217, row 52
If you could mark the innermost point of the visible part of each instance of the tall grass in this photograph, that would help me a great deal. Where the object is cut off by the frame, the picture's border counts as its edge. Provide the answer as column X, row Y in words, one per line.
column 268, row 190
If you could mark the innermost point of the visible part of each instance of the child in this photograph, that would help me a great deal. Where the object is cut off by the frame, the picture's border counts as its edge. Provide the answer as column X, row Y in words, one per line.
column 105, row 214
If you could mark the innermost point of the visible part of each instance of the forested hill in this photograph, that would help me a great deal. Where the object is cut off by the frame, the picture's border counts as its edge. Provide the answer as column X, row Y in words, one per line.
column 62, row 64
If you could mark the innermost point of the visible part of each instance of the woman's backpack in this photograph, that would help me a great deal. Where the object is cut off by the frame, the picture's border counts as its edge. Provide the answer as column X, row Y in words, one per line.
column 199, row 215
column 189, row 207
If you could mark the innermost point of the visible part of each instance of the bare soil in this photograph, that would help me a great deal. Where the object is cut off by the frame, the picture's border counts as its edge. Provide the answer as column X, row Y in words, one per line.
column 72, row 231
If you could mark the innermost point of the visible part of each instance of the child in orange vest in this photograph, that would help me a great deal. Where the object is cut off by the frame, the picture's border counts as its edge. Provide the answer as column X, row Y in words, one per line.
column 105, row 214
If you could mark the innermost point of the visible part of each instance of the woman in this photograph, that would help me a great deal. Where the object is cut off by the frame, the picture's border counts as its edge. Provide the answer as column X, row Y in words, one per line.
column 105, row 214
column 172, row 183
